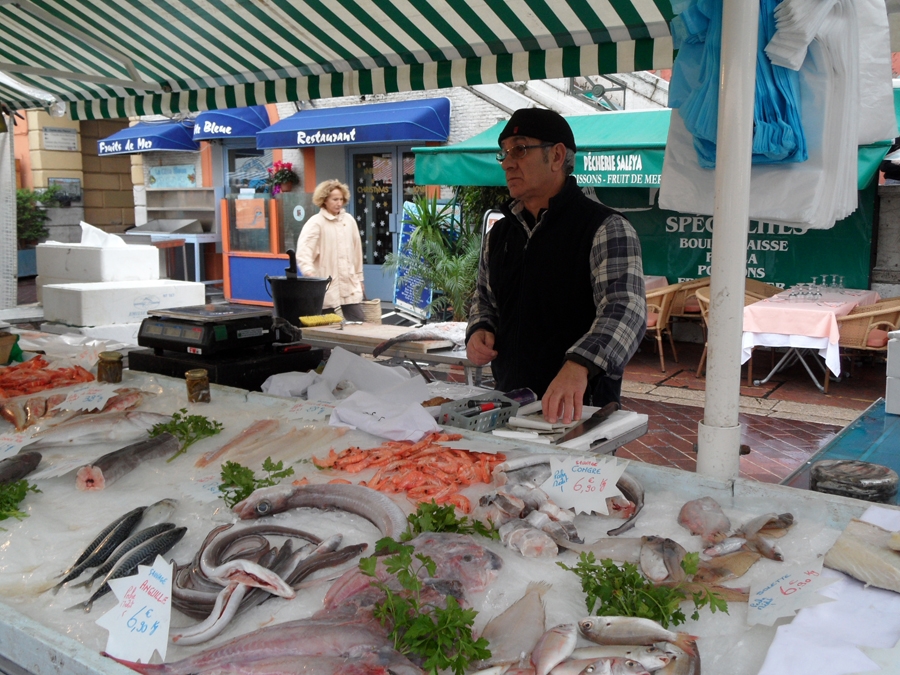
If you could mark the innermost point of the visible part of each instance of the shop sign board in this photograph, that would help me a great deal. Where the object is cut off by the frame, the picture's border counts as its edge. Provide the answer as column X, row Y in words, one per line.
column 173, row 176
column 679, row 245
column 60, row 138
column 411, row 295
column 622, row 168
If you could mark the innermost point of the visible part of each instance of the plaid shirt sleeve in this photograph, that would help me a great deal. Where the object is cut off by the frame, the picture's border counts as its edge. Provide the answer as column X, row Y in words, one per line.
column 618, row 279
column 483, row 312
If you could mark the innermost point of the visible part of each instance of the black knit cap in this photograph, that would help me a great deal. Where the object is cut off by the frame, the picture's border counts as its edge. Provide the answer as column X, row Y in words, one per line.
column 544, row 125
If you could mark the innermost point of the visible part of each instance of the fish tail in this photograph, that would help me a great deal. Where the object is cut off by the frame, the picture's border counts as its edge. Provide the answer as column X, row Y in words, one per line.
column 84, row 583
column 387, row 344
column 686, row 643
column 84, row 606
column 139, row 667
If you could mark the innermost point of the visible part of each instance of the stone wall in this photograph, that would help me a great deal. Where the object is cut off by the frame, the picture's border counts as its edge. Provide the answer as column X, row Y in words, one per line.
column 108, row 197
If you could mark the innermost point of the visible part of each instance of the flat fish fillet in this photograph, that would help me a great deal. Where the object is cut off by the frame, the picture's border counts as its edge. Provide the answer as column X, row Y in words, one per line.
column 248, row 436
column 862, row 552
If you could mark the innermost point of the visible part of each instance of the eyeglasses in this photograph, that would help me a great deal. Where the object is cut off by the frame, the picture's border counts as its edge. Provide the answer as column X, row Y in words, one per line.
column 519, row 151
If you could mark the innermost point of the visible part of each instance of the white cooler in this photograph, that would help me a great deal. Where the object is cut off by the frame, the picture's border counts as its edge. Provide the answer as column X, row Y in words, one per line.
column 109, row 302
column 77, row 262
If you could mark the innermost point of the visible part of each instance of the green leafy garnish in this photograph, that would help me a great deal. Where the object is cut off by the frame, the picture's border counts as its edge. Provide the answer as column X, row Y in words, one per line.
column 623, row 591
column 441, row 636
column 186, row 428
column 11, row 495
column 239, row 482
column 435, row 518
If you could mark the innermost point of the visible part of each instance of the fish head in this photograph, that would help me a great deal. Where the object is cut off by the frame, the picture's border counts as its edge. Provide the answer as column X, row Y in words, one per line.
column 587, row 625
column 458, row 557
column 652, row 657
column 263, row 502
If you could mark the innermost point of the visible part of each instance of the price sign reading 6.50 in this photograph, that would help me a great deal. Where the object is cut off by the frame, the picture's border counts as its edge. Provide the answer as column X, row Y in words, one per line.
column 793, row 588
column 583, row 483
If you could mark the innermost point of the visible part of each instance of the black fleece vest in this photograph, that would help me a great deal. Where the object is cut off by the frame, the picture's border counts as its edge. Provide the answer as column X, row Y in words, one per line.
column 543, row 288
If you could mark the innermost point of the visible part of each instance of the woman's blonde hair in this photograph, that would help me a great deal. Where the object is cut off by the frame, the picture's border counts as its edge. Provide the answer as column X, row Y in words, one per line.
column 323, row 189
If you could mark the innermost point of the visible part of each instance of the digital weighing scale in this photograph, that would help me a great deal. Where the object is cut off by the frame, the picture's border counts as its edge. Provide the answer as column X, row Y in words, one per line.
column 237, row 344
column 207, row 329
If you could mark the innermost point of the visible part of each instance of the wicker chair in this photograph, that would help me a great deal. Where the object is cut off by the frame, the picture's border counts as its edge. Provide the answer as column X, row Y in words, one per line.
column 702, row 295
column 865, row 329
column 659, row 304
column 684, row 304
column 760, row 289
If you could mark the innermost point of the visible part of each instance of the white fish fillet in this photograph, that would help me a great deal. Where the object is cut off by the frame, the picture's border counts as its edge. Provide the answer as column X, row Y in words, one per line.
column 862, row 551
column 517, row 630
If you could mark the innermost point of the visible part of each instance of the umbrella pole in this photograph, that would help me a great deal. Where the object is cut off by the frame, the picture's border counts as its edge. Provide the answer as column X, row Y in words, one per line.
column 8, row 252
column 719, row 434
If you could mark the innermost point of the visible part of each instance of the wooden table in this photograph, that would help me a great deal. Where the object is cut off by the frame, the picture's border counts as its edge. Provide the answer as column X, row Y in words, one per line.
column 801, row 325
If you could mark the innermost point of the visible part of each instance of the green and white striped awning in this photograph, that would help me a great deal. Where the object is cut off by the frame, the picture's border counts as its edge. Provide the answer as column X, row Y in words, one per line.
column 120, row 58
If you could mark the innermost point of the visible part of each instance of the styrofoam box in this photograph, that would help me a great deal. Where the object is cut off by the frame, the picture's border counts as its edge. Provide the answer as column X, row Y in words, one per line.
column 893, row 358
column 107, row 302
column 892, row 396
column 76, row 262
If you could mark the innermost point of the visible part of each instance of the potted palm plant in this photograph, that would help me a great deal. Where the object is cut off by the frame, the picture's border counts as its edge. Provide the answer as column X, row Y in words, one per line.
column 443, row 251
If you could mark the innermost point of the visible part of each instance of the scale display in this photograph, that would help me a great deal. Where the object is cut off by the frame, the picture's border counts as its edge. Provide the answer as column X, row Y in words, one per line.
column 207, row 329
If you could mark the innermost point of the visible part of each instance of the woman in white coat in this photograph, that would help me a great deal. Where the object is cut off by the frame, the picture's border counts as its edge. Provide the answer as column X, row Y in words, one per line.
column 330, row 246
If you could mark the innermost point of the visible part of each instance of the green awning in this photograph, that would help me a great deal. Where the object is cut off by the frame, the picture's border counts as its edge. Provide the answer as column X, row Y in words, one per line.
column 615, row 149
column 120, row 58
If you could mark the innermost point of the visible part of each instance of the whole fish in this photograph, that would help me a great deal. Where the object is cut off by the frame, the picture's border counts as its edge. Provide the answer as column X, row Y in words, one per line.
column 705, row 517
column 110, row 467
column 374, row 506
column 18, row 466
column 142, row 554
column 554, row 647
column 610, row 665
column 682, row 663
column 661, row 559
column 298, row 639
column 649, row 656
column 454, row 331
column 629, row 630
column 103, row 545
column 516, row 631
column 133, row 541
column 130, row 425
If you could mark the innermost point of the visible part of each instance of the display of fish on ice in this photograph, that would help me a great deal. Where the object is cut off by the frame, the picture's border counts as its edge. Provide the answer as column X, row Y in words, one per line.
column 129, row 425
column 454, row 331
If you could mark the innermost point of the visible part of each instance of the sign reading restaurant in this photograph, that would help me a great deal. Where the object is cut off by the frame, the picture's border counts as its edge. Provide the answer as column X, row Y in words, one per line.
column 322, row 137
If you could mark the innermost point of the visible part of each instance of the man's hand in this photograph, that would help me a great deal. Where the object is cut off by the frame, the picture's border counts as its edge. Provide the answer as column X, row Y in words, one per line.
column 480, row 348
column 564, row 396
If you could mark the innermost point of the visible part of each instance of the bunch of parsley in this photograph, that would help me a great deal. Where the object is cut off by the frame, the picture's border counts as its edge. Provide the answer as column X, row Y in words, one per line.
column 188, row 429
column 440, row 636
column 239, row 482
column 11, row 495
column 623, row 591
column 435, row 518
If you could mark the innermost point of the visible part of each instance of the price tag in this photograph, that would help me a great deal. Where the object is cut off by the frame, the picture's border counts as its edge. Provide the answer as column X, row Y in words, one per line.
column 139, row 624
column 583, row 483
column 88, row 397
column 310, row 411
column 792, row 589
column 12, row 442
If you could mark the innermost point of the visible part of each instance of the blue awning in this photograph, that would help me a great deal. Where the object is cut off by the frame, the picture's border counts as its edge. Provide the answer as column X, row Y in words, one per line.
column 149, row 137
column 399, row 122
column 230, row 123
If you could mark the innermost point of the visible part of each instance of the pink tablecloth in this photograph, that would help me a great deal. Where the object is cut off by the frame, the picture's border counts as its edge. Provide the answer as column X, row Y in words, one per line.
column 652, row 282
column 818, row 319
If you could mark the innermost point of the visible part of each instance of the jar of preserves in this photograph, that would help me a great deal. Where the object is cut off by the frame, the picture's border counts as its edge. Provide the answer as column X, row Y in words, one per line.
column 109, row 367
column 197, row 385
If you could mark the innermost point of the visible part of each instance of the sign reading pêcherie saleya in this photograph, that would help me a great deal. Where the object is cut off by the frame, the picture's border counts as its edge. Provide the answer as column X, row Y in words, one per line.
column 616, row 169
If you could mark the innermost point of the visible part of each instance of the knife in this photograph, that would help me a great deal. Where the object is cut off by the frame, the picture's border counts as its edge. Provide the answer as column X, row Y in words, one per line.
column 590, row 423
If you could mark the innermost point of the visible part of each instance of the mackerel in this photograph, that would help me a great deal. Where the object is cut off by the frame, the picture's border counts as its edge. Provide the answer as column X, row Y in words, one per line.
column 103, row 545
column 133, row 541
column 128, row 565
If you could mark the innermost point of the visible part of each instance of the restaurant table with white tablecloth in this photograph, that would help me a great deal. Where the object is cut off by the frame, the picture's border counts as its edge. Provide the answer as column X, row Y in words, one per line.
column 801, row 322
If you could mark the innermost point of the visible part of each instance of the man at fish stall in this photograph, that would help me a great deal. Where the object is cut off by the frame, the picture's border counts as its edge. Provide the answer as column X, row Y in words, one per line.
column 560, row 305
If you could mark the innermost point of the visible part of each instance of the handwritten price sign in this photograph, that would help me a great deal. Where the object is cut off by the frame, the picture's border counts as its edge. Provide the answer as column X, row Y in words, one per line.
column 583, row 483
column 11, row 443
column 310, row 411
column 88, row 397
column 139, row 624
column 792, row 589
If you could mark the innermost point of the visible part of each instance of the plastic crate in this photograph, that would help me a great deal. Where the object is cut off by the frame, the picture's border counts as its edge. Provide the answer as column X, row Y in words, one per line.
column 451, row 413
